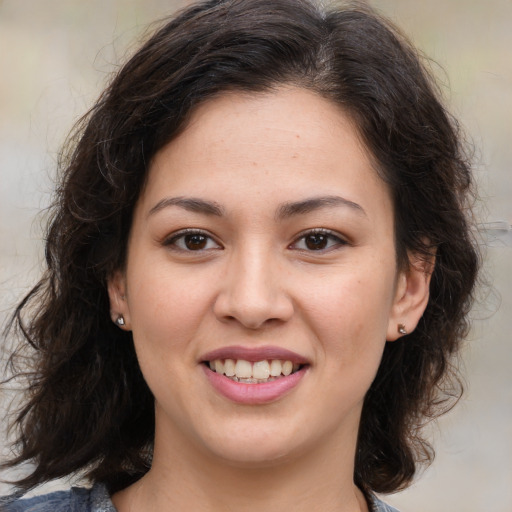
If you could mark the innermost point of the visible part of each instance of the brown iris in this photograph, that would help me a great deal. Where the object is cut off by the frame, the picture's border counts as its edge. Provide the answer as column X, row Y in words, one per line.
column 195, row 242
column 316, row 241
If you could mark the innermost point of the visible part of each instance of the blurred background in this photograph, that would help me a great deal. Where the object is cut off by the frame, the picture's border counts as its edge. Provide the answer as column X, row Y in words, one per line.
column 55, row 57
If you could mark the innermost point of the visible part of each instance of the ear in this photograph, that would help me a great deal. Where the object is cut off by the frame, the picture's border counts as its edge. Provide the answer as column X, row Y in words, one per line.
column 411, row 296
column 116, row 285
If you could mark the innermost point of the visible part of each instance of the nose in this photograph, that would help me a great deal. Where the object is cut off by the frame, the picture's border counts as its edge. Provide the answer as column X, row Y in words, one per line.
column 253, row 291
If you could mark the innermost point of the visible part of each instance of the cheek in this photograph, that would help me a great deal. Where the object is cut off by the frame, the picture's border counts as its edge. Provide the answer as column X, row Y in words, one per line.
column 350, row 314
column 161, row 296
column 165, row 314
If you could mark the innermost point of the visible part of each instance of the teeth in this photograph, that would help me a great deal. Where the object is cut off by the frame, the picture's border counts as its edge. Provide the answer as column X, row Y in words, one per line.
column 261, row 370
column 287, row 367
column 244, row 371
column 219, row 366
column 275, row 367
column 229, row 367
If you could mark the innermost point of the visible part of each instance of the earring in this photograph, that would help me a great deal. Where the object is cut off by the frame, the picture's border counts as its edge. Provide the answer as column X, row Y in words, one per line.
column 401, row 329
column 120, row 321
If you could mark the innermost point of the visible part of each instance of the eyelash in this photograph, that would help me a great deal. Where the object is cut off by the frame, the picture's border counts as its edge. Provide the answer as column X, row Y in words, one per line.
column 324, row 235
column 329, row 236
column 173, row 241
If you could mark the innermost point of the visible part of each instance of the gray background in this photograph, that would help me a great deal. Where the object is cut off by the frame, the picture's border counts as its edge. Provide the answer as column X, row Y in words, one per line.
column 55, row 56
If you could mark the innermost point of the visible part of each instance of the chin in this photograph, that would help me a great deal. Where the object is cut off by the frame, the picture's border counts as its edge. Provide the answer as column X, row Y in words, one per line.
column 249, row 456
column 253, row 447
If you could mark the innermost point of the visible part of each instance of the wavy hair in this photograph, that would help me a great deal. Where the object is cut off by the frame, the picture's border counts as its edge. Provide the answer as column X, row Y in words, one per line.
column 88, row 409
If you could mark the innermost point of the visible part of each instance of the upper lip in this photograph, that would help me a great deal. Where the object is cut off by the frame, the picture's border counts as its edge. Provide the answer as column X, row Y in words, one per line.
column 254, row 354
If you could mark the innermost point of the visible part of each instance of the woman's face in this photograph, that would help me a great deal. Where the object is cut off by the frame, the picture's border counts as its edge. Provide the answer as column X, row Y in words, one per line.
column 263, row 243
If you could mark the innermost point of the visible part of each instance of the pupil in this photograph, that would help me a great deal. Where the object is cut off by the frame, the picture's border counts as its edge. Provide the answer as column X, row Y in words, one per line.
column 195, row 242
column 316, row 242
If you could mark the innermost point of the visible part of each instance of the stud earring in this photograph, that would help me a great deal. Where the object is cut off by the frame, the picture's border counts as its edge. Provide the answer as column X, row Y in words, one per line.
column 120, row 321
column 401, row 329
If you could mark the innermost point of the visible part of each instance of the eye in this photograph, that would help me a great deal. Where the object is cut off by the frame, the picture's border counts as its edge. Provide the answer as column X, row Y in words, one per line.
column 318, row 240
column 192, row 240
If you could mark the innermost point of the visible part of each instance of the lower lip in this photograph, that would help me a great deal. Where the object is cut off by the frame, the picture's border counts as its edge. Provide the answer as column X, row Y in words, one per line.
column 252, row 394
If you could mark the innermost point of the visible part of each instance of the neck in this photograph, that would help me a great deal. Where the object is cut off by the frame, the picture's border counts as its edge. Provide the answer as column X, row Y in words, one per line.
column 320, row 480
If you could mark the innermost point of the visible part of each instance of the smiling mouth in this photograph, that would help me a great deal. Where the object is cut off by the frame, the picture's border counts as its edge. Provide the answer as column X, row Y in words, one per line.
column 258, row 372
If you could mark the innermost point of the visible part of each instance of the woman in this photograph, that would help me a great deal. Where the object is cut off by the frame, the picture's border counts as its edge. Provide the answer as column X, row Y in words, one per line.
column 259, row 269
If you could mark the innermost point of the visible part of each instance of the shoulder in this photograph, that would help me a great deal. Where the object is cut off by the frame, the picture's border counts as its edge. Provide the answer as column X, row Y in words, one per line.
column 76, row 499
column 380, row 506
column 56, row 502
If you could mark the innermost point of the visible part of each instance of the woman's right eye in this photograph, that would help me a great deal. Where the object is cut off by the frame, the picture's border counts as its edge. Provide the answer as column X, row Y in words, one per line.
column 192, row 241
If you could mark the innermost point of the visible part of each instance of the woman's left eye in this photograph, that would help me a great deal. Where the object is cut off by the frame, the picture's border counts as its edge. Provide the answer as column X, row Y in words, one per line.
column 192, row 241
column 318, row 241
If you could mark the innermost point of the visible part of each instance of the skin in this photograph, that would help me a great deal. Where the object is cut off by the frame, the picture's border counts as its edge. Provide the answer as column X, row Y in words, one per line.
column 260, row 281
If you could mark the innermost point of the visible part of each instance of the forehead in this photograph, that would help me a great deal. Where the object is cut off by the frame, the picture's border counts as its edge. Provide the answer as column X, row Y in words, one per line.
column 287, row 116
column 278, row 145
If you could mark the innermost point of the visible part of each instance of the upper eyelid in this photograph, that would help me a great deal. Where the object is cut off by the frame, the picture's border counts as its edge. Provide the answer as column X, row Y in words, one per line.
column 188, row 231
column 322, row 231
column 168, row 239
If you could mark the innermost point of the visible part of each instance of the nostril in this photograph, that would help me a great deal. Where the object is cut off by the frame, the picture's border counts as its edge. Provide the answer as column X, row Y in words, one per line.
column 252, row 302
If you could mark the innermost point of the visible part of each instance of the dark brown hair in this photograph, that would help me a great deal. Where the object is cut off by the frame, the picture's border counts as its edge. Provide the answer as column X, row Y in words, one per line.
column 88, row 408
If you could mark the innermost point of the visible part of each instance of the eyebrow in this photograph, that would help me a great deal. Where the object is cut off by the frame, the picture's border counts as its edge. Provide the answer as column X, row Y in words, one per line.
column 191, row 204
column 287, row 210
